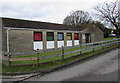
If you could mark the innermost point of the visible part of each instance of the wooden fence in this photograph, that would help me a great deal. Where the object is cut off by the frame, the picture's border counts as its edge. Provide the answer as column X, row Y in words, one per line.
column 79, row 49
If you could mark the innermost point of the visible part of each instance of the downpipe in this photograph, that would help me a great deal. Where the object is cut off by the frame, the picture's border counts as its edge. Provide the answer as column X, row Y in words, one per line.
column 8, row 46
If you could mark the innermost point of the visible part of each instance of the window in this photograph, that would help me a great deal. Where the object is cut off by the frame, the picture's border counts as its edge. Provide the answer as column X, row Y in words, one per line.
column 50, row 36
column 76, row 36
column 60, row 36
column 37, row 36
column 69, row 36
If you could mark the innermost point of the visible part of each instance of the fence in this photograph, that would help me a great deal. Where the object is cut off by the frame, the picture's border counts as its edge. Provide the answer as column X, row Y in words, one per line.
column 60, row 53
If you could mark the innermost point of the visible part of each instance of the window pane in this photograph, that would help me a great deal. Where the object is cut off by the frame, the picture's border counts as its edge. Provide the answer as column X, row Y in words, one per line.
column 76, row 36
column 69, row 36
column 37, row 36
column 50, row 36
column 50, row 33
column 60, row 36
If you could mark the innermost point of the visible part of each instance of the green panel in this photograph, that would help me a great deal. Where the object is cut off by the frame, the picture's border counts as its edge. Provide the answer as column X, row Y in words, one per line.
column 50, row 38
column 49, row 34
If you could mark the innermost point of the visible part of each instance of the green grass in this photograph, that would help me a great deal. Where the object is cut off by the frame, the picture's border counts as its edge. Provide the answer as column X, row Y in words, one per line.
column 49, row 59
column 48, row 53
column 109, row 38
column 49, row 65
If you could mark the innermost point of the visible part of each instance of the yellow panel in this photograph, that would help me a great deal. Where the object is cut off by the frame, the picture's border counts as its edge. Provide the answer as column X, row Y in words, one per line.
column 69, row 38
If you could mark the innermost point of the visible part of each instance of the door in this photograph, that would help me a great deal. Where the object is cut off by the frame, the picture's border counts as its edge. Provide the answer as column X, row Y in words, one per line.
column 87, row 38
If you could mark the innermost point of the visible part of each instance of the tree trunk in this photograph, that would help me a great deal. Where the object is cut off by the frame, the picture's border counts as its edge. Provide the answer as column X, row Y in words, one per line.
column 117, row 30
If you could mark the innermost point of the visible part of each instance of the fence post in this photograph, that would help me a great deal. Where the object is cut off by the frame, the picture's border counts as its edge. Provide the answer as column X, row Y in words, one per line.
column 118, row 43
column 80, row 49
column 63, row 53
column 110, row 43
column 9, row 57
column 38, row 57
column 93, row 47
column 102, row 45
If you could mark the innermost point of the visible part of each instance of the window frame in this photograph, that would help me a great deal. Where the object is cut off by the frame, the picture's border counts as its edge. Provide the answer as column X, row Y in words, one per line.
column 74, row 36
column 34, row 36
column 69, row 34
column 49, row 35
column 62, row 36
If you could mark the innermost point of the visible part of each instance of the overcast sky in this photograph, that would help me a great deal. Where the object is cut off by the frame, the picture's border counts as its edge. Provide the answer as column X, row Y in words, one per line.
column 53, row 11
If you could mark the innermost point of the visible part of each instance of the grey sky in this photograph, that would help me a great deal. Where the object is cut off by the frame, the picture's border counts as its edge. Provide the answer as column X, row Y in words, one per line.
column 45, row 10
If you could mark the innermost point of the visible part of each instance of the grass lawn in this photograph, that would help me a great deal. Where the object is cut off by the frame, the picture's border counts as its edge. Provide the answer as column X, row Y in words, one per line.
column 50, row 53
column 49, row 65
column 50, row 59
column 109, row 38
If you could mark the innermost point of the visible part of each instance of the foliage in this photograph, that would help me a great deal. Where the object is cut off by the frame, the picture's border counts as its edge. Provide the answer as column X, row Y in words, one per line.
column 105, row 30
column 100, row 25
column 77, row 18
column 110, row 13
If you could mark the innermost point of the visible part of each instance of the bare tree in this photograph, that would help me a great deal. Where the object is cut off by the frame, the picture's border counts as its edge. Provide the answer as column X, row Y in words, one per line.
column 109, row 12
column 77, row 18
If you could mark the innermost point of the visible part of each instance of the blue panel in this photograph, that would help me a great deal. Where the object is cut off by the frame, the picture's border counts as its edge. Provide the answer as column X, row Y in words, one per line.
column 60, row 36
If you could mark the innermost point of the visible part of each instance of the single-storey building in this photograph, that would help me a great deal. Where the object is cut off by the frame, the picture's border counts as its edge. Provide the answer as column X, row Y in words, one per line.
column 17, row 35
column 92, row 33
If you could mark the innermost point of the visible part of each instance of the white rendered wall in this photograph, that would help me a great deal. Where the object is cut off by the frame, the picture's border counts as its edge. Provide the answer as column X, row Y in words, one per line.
column 76, row 42
column 69, row 42
column 83, row 36
column 60, row 44
column 38, row 45
column 50, row 44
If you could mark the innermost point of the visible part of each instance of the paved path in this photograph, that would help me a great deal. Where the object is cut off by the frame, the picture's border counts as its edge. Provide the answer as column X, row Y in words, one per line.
column 22, row 59
column 99, row 68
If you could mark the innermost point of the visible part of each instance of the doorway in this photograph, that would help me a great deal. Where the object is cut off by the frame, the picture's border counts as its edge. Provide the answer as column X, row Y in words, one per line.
column 87, row 38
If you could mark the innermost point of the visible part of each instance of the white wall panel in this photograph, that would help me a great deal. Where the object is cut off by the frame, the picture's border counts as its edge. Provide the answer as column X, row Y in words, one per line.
column 76, row 42
column 83, row 36
column 38, row 45
column 50, row 44
column 69, row 42
column 60, row 44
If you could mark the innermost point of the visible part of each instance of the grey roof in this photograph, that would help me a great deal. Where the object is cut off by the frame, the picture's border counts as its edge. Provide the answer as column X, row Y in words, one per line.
column 19, row 23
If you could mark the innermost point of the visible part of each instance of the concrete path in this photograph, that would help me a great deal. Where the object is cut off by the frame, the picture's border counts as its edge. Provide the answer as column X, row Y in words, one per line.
column 99, row 68
column 23, row 59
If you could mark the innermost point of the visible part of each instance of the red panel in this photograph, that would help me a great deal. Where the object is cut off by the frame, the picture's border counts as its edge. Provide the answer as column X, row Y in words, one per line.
column 37, row 36
column 76, row 36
